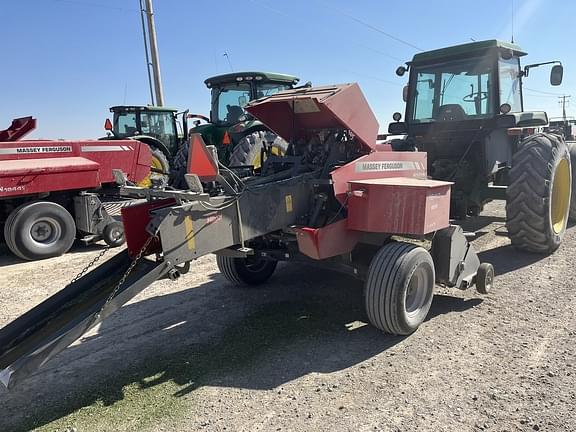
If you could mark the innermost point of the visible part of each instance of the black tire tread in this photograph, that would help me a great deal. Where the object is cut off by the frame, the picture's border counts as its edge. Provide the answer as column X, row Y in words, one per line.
column 232, row 269
column 572, row 150
column 529, row 193
column 383, row 283
column 250, row 145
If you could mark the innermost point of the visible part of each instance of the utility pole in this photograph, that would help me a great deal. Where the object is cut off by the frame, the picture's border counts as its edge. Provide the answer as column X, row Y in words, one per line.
column 563, row 102
column 146, row 52
column 155, row 63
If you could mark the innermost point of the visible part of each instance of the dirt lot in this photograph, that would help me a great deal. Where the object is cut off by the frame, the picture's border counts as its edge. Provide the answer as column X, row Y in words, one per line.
column 198, row 354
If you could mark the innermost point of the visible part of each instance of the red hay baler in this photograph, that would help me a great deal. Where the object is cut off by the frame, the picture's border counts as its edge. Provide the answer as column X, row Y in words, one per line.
column 335, row 199
column 50, row 190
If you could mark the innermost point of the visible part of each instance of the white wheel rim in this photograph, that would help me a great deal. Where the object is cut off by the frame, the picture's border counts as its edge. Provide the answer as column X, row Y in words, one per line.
column 417, row 291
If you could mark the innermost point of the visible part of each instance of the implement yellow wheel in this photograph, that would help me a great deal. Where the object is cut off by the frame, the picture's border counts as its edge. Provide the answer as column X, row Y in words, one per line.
column 560, row 196
column 159, row 170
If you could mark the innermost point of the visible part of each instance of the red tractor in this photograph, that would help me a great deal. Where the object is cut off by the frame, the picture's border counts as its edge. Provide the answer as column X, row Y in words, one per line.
column 50, row 190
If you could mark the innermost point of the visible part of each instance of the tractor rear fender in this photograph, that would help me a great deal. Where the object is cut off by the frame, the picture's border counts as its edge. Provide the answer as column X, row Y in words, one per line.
column 239, row 130
column 153, row 143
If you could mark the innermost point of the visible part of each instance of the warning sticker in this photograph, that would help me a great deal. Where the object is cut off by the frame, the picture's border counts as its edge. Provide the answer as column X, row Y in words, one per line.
column 288, row 200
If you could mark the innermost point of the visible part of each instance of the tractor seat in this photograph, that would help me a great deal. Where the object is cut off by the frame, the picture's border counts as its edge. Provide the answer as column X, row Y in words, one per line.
column 234, row 113
column 451, row 112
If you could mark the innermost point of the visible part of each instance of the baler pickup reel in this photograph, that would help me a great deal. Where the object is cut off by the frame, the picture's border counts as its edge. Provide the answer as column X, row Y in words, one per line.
column 335, row 198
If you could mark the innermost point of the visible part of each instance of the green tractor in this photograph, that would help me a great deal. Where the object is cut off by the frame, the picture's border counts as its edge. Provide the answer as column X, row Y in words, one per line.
column 238, row 137
column 465, row 108
column 163, row 129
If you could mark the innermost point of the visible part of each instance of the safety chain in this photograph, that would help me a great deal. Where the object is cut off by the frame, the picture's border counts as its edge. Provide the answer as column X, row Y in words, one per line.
column 90, row 264
column 124, row 277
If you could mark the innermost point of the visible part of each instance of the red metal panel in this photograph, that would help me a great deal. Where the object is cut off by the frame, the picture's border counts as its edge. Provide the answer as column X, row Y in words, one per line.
column 135, row 219
column 19, row 128
column 329, row 241
column 293, row 113
column 112, row 154
column 399, row 205
column 380, row 164
column 31, row 176
column 142, row 164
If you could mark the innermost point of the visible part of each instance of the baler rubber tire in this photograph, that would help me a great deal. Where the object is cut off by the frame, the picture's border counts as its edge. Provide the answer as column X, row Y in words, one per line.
column 248, row 149
column 536, row 216
column 8, row 237
column 393, row 303
column 21, row 242
column 484, row 278
column 237, row 271
column 113, row 234
column 572, row 150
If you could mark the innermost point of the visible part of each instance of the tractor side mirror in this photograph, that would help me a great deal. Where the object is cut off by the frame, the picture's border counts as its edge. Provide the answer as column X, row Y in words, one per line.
column 401, row 70
column 108, row 125
column 556, row 75
column 405, row 93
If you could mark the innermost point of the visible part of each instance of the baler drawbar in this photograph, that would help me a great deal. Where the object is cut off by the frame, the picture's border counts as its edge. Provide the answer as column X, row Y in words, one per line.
column 336, row 198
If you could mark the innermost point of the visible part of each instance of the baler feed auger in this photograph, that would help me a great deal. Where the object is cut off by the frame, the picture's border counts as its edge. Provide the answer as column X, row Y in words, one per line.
column 335, row 198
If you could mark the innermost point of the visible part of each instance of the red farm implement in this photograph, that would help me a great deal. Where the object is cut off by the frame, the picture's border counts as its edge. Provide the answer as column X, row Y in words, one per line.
column 335, row 199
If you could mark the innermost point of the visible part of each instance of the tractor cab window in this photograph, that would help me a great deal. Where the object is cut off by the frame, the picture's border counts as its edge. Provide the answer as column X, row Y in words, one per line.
column 268, row 89
column 125, row 124
column 229, row 101
column 159, row 125
column 509, row 75
column 453, row 91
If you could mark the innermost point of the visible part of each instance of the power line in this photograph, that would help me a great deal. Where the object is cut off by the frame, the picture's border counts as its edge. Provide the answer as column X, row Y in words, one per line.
column 368, row 25
column 396, row 83
column 316, row 29
column 542, row 92
column 542, row 96
column 95, row 5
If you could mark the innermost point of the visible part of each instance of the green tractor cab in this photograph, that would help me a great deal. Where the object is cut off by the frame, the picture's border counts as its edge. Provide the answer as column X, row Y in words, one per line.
column 465, row 108
column 162, row 129
column 238, row 137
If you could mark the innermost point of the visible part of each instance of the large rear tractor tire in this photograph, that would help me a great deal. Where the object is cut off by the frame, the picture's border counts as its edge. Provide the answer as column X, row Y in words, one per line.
column 159, row 171
column 179, row 167
column 39, row 230
column 249, row 149
column 399, row 288
column 572, row 150
column 538, row 197
column 246, row 272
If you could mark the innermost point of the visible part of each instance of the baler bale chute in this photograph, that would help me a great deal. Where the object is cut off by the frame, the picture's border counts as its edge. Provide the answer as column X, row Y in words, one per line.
column 336, row 199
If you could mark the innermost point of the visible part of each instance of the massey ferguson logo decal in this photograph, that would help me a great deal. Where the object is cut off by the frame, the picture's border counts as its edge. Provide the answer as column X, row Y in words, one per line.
column 377, row 166
column 24, row 150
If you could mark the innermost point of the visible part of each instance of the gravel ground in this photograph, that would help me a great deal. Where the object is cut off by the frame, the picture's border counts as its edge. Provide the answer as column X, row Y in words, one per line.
column 198, row 354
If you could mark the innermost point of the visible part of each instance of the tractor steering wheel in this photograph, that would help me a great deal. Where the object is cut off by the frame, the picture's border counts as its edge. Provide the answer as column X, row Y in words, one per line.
column 475, row 96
